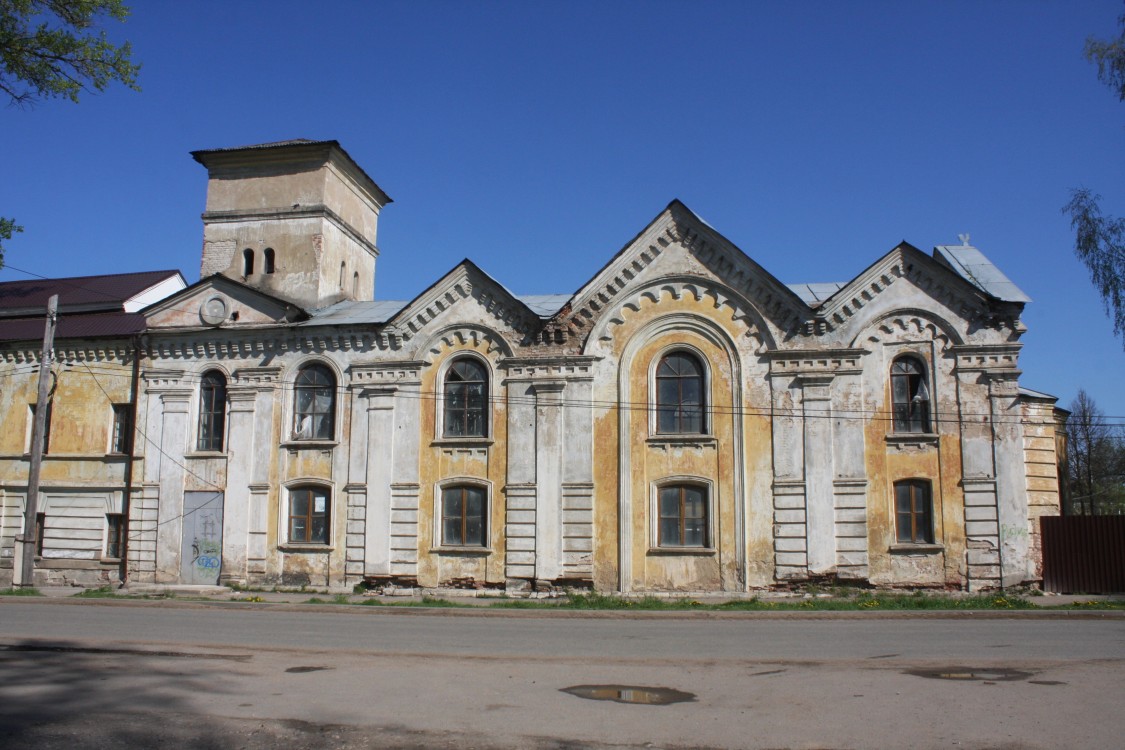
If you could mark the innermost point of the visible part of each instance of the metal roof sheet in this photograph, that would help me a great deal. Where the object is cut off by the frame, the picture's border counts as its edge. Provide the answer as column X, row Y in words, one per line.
column 814, row 295
column 544, row 305
column 80, row 326
column 355, row 313
column 972, row 264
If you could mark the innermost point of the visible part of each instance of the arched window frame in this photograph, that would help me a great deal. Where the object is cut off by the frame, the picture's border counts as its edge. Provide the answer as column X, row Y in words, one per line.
column 661, row 423
column 467, row 537
column 455, row 413
column 693, row 534
column 247, row 263
column 911, row 391
column 913, row 504
column 211, row 426
column 268, row 260
column 308, row 514
column 314, row 402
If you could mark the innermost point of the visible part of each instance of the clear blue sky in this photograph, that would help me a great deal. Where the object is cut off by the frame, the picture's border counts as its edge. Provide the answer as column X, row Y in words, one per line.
column 537, row 138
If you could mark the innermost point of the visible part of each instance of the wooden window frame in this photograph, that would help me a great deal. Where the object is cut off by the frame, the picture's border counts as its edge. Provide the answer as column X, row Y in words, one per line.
column 457, row 407
column 122, row 432
column 212, row 424
column 114, row 536
column 309, row 494
column 910, row 396
column 464, row 517
column 673, row 416
column 681, row 516
column 306, row 383
column 915, row 523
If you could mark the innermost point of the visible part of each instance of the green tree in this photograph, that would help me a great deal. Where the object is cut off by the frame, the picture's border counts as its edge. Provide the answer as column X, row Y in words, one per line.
column 50, row 48
column 1095, row 460
column 1100, row 240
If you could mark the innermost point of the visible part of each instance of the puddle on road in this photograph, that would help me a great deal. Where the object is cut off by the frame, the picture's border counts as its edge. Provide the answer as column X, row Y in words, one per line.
column 302, row 670
column 995, row 674
column 647, row 696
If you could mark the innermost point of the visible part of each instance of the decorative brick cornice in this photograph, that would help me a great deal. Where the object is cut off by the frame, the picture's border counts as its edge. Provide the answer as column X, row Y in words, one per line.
column 814, row 362
column 385, row 373
column 988, row 358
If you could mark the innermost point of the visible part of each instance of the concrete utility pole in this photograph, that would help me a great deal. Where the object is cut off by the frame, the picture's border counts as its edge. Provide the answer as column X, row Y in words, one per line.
column 27, row 562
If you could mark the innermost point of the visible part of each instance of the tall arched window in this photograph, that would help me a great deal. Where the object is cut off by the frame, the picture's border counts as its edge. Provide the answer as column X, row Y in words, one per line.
column 314, row 403
column 342, row 270
column 247, row 262
column 355, row 285
column 212, row 411
column 910, row 395
column 267, row 260
column 679, row 394
column 466, row 399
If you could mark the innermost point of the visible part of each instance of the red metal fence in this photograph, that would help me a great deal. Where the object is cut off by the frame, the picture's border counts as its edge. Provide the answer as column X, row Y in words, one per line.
column 1083, row 554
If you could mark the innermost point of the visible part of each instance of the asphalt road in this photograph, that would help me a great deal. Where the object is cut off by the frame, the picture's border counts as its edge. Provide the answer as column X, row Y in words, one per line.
column 107, row 675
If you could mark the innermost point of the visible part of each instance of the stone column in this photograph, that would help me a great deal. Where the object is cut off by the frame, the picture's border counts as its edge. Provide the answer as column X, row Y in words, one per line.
column 820, row 520
column 373, row 452
column 166, row 470
column 520, row 497
column 1011, row 478
column 236, row 499
column 262, row 454
column 978, row 476
column 791, row 560
column 404, row 478
column 850, row 477
column 548, row 480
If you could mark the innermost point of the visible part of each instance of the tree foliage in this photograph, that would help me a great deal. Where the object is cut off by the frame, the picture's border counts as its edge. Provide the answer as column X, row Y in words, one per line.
column 1095, row 460
column 1100, row 240
column 49, row 48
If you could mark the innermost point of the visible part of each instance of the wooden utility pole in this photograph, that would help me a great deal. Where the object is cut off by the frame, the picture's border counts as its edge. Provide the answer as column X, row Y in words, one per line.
column 30, row 538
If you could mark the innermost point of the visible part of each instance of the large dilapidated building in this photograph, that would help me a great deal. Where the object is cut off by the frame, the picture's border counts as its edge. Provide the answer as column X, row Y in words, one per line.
column 682, row 422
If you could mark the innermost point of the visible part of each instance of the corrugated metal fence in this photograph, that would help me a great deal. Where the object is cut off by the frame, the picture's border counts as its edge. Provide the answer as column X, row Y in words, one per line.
column 1083, row 554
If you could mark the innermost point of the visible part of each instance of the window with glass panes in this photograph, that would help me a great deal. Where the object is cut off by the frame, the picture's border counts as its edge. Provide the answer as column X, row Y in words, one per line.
column 463, row 516
column 679, row 394
column 683, row 516
column 914, row 521
column 212, row 411
column 314, row 394
column 466, row 399
column 308, row 515
column 910, row 395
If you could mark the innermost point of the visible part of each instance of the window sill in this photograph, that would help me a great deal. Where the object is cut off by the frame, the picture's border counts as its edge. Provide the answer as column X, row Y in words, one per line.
column 682, row 551
column 916, row 549
column 294, row 444
column 697, row 440
column 912, row 438
column 462, row 442
column 205, row 454
column 301, row 547
column 462, row 551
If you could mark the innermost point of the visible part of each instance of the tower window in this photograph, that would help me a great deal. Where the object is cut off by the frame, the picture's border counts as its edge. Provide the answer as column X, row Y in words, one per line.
column 247, row 262
column 267, row 260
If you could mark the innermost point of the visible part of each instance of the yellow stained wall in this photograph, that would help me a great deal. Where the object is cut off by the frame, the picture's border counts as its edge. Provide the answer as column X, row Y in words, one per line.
column 713, row 458
column 888, row 462
column 442, row 459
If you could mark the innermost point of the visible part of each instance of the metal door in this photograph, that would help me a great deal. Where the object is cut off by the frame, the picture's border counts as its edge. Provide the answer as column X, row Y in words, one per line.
column 201, row 555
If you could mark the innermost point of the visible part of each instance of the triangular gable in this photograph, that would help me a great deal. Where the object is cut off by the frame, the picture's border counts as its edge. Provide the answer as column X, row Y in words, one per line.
column 937, row 279
column 218, row 301
column 677, row 224
column 465, row 280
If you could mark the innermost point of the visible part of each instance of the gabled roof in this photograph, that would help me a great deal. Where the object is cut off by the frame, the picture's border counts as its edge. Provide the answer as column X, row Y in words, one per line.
column 458, row 283
column 89, row 306
column 181, row 310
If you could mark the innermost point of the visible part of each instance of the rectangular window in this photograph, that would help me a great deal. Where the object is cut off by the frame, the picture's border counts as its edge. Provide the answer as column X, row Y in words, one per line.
column 122, row 428
column 914, row 522
column 46, row 427
column 114, row 538
column 40, row 531
column 683, row 516
column 308, row 516
column 462, row 516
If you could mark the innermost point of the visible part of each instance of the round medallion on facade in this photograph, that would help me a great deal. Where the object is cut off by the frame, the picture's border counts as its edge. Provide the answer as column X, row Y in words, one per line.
column 213, row 312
